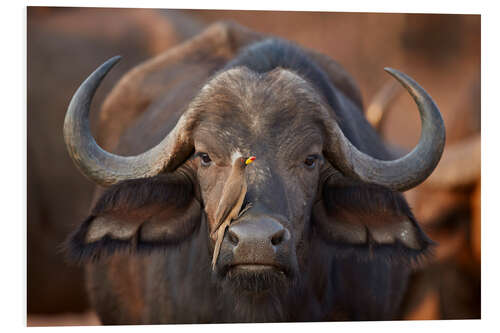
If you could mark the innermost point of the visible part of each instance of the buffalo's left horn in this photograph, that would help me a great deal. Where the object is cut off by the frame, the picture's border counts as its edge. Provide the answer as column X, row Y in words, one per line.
column 407, row 171
column 106, row 168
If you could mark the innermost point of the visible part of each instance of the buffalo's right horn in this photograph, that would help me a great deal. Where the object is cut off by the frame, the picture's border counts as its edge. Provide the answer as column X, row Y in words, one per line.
column 106, row 168
column 407, row 171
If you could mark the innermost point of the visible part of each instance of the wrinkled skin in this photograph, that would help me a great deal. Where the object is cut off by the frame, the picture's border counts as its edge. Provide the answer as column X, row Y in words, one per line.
column 280, row 171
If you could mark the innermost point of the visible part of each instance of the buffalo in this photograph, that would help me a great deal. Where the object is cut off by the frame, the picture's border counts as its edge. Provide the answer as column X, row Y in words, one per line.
column 326, row 233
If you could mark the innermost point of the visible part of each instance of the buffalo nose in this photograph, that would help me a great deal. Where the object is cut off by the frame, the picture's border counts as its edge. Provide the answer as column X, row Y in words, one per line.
column 257, row 240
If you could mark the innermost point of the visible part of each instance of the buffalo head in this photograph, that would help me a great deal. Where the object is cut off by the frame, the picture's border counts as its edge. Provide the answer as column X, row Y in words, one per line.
column 309, row 178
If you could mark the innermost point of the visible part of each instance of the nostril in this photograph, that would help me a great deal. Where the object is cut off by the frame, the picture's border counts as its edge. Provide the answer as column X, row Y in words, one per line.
column 278, row 237
column 232, row 237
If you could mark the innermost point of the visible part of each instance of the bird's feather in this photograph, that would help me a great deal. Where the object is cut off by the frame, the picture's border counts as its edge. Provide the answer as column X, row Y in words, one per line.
column 233, row 195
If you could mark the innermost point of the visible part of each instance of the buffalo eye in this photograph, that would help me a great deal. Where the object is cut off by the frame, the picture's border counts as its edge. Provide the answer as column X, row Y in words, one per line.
column 310, row 161
column 205, row 159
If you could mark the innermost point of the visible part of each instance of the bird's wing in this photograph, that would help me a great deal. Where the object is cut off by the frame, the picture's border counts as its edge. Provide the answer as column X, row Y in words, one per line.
column 227, row 202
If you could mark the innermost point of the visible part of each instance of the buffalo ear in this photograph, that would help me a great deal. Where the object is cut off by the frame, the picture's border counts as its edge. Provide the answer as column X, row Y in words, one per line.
column 138, row 214
column 369, row 219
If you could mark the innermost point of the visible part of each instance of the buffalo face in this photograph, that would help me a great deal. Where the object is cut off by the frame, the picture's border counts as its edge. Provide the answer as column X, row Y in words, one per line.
column 271, row 116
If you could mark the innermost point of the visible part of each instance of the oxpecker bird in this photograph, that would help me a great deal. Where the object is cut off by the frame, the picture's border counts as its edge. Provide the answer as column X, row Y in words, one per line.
column 229, row 207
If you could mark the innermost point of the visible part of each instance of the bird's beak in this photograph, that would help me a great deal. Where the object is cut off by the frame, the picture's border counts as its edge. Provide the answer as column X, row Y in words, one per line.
column 250, row 160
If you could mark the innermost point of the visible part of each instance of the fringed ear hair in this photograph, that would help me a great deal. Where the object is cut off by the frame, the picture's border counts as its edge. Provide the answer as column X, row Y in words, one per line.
column 369, row 220
column 135, row 215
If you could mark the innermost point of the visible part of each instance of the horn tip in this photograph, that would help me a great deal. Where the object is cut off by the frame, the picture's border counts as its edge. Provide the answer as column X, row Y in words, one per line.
column 116, row 58
column 391, row 71
column 108, row 64
column 113, row 60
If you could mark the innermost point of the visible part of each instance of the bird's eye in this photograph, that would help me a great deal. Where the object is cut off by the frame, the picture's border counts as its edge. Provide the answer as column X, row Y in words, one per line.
column 310, row 161
column 205, row 159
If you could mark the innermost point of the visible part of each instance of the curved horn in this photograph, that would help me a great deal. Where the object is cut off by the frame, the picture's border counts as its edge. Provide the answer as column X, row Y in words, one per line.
column 106, row 168
column 407, row 171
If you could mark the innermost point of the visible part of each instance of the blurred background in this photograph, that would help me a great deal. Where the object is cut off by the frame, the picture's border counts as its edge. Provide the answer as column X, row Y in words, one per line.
column 441, row 52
